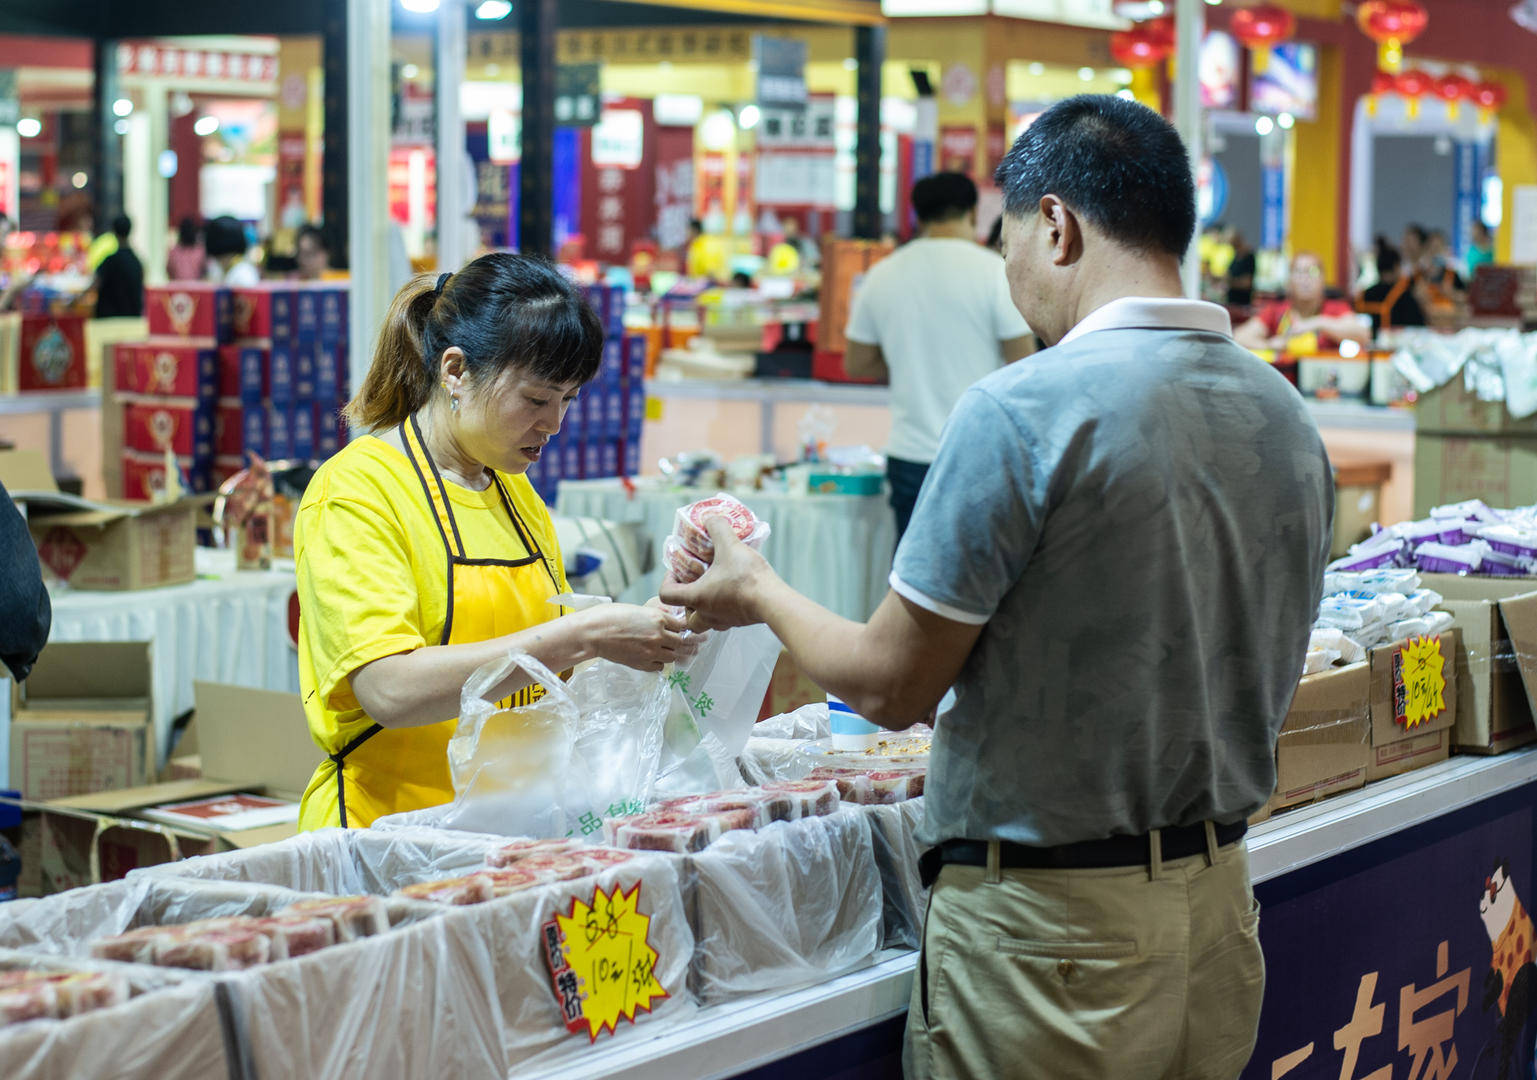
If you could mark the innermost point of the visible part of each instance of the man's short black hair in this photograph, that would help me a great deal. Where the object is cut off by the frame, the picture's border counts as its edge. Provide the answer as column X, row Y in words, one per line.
column 121, row 226
column 316, row 233
column 944, row 197
column 1115, row 163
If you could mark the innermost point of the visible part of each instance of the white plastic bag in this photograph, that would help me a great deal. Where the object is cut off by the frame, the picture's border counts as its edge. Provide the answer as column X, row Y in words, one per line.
column 586, row 750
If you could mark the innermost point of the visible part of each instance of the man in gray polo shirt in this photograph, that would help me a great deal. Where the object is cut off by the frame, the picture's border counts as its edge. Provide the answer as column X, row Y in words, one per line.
column 1115, row 561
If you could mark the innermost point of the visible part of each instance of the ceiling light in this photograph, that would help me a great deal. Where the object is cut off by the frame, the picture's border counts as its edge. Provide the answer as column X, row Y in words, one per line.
column 421, row 7
column 79, row 180
column 491, row 10
column 748, row 117
column 29, row 127
column 1263, row 125
column 206, row 125
column 122, row 107
column 1086, row 74
column 1037, row 69
column 1286, row 120
column 120, row 126
column 409, row 71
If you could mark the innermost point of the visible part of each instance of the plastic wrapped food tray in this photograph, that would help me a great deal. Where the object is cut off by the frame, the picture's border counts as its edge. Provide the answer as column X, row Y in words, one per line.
column 903, row 897
column 495, row 944
column 109, row 1042
column 793, row 903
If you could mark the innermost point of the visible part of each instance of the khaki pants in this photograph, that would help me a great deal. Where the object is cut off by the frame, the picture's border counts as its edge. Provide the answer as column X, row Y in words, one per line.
column 1118, row 974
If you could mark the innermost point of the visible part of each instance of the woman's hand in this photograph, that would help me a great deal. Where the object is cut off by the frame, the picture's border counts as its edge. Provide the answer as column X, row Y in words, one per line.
column 644, row 638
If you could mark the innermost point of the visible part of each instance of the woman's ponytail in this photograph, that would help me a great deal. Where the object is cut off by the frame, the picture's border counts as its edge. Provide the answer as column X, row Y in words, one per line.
column 399, row 380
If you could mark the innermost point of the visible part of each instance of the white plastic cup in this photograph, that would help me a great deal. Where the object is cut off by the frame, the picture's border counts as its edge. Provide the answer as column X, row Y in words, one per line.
column 850, row 731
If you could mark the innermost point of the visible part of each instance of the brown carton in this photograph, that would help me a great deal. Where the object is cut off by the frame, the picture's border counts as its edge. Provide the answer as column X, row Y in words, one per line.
column 1414, row 704
column 1500, row 469
column 249, row 740
column 1323, row 745
column 1454, row 410
column 104, row 545
column 1496, row 620
column 83, row 721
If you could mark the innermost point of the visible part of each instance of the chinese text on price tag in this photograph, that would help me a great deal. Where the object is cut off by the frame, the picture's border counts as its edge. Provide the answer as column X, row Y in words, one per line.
column 602, row 966
column 1419, row 682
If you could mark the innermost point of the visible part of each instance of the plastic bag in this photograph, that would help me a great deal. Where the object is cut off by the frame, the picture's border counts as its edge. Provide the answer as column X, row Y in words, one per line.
column 586, row 750
column 714, row 700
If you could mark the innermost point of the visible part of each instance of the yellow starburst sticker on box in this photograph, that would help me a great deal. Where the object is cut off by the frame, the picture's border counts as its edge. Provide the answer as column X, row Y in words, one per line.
column 1419, row 682
column 602, row 965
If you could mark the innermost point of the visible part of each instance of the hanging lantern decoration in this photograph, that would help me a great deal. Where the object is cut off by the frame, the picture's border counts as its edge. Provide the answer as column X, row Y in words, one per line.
column 1382, row 83
column 1261, row 27
column 1139, row 47
column 1490, row 97
column 1453, row 89
column 1392, row 24
column 1413, row 85
column 1161, row 29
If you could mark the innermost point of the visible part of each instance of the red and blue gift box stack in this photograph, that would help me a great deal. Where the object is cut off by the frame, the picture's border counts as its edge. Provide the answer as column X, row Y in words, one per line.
column 601, row 434
column 227, row 371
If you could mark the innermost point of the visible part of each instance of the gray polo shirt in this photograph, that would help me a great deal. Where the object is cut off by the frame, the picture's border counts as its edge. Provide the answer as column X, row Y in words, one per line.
column 1140, row 516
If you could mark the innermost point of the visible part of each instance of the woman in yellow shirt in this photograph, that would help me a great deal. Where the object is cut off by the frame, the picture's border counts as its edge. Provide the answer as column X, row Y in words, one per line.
column 423, row 551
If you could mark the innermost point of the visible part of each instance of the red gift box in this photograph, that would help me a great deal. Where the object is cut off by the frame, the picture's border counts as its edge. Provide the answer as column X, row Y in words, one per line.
column 52, row 355
column 229, row 372
column 125, row 367
column 267, row 312
column 170, row 367
column 184, row 426
column 144, row 475
column 188, row 310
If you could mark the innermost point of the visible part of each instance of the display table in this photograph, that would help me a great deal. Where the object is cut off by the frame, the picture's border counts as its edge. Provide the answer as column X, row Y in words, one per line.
column 836, row 549
column 1318, row 871
column 228, row 626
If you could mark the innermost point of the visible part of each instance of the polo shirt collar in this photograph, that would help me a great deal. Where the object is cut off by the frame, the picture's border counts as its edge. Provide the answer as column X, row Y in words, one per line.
column 1154, row 313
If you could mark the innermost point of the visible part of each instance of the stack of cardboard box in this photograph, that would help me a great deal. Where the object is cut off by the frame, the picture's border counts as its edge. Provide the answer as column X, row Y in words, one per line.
column 290, row 351
column 166, row 387
column 600, row 436
column 1467, row 448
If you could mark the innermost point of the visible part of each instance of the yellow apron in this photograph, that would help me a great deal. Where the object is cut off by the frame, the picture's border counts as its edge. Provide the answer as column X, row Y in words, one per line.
column 391, row 770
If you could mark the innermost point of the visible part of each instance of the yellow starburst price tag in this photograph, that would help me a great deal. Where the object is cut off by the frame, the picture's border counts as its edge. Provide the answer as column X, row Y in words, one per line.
column 1419, row 682
column 602, row 965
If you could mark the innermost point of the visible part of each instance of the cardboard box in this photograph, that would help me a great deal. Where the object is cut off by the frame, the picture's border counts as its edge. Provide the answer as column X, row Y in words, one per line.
column 144, row 480
column 189, row 310
column 1401, row 741
column 334, row 302
column 169, row 367
column 248, row 740
column 103, row 545
column 1325, row 741
column 280, row 431
column 282, row 373
column 183, row 425
column 52, row 353
column 1454, row 410
column 255, row 374
column 83, row 721
column 1496, row 620
column 1500, row 469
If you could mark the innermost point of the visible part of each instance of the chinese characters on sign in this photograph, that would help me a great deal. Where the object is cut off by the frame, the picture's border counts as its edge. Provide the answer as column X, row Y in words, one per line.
column 602, row 964
column 1419, row 682
column 165, row 61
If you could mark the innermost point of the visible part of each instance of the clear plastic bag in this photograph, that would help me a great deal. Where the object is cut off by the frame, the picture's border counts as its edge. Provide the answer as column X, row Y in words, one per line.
column 585, row 751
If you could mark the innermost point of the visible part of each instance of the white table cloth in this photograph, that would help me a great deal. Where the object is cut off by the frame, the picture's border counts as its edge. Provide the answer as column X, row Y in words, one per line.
column 836, row 549
column 228, row 626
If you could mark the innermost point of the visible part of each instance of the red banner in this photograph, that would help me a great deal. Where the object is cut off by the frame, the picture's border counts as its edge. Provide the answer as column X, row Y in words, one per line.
column 958, row 150
column 618, row 198
column 172, row 62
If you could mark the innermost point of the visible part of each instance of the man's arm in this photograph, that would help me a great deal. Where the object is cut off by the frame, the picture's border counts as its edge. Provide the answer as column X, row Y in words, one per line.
column 1339, row 327
column 892, row 670
column 1017, row 348
column 1253, row 334
column 862, row 361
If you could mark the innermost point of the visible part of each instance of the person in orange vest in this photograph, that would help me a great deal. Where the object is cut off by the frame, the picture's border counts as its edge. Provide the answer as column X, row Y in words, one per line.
column 1391, row 302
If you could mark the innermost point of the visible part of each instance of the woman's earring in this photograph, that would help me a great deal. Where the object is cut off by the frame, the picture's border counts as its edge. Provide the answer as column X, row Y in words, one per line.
column 453, row 403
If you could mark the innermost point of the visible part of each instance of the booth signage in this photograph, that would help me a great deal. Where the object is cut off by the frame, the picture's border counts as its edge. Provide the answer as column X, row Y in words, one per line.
column 648, row 46
column 602, row 965
column 167, row 61
column 578, row 91
column 781, row 72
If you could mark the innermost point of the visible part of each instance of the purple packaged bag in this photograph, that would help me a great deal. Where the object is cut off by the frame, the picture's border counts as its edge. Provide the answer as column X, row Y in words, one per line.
column 1436, row 558
column 1510, row 540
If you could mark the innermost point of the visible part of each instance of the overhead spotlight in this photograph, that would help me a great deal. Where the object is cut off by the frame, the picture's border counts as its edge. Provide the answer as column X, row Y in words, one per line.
column 120, row 126
column 79, row 180
column 421, row 7
column 409, row 71
column 1286, row 120
column 122, row 107
column 1086, row 74
column 1263, row 125
column 206, row 126
column 748, row 117
column 1037, row 69
column 29, row 127
column 491, row 10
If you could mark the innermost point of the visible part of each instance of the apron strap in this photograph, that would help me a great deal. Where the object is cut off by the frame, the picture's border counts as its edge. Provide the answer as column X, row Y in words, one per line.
column 526, row 535
column 340, row 758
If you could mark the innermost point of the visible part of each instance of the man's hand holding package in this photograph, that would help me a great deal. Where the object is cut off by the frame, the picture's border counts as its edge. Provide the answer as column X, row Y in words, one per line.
column 726, row 595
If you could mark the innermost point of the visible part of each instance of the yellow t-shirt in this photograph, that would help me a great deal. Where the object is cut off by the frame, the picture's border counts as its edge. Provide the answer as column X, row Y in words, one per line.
column 372, row 572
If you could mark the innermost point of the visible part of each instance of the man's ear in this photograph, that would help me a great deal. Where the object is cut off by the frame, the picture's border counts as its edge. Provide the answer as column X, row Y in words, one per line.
column 1063, row 229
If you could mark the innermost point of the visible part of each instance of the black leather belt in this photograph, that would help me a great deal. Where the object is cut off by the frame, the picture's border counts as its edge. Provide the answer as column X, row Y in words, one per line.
column 1176, row 843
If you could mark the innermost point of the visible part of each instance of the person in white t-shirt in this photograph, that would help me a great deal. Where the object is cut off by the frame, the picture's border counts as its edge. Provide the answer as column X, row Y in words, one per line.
column 228, row 254
column 932, row 318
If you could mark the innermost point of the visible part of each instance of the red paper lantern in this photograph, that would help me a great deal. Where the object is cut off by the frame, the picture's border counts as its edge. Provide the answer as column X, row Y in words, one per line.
column 1139, row 48
column 1413, row 83
column 1392, row 24
column 1161, row 29
column 1490, row 96
column 1263, row 25
column 1450, row 88
column 1384, row 83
